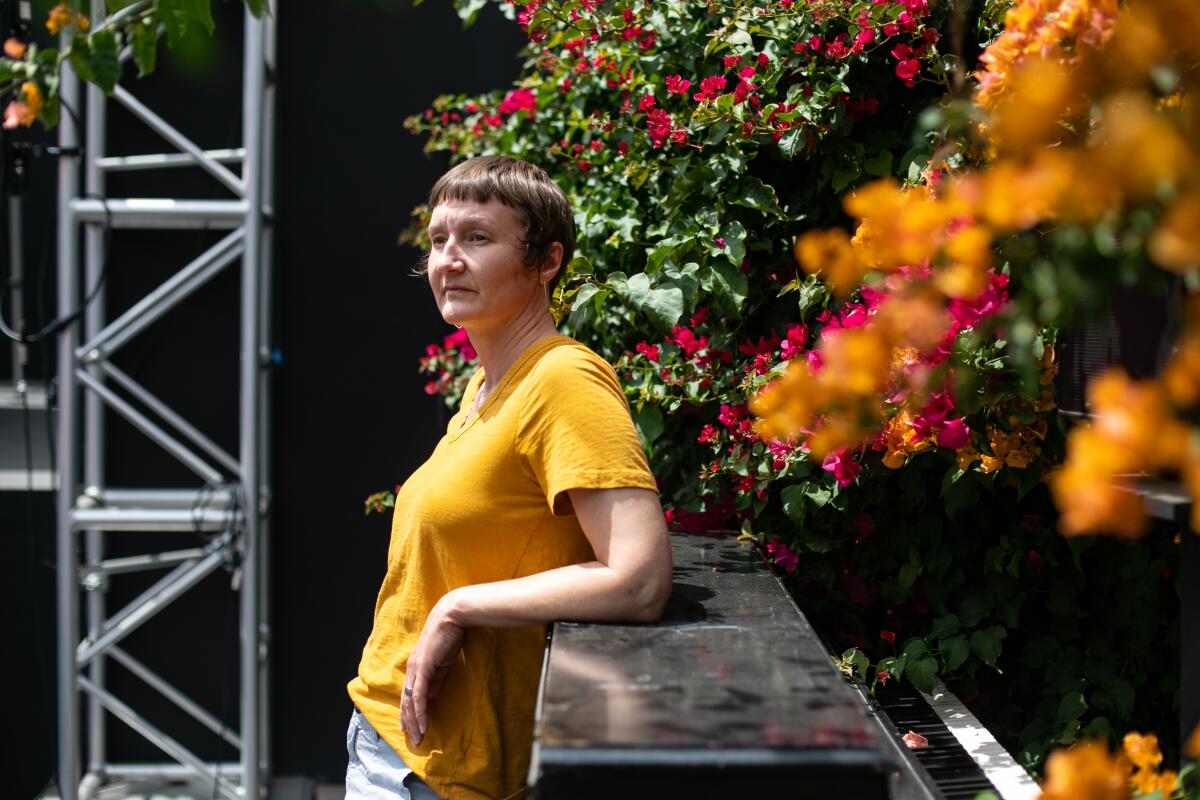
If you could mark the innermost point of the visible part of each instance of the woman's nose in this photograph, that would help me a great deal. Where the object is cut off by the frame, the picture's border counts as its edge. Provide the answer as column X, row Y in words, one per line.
column 448, row 258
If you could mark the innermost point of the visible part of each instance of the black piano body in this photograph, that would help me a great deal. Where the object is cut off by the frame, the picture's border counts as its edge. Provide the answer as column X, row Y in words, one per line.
column 730, row 695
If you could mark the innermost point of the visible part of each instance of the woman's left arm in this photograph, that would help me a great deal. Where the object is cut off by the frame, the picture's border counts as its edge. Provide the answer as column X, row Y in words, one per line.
column 629, row 580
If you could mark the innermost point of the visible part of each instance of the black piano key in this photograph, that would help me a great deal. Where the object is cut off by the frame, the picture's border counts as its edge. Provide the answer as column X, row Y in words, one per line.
column 949, row 766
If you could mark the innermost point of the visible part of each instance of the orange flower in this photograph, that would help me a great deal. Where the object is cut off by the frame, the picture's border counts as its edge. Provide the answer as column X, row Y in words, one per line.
column 1089, row 497
column 1086, row 772
column 1192, row 748
column 1175, row 243
column 970, row 254
column 59, row 18
column 1142, row 750
column 1182, row 374
column 1135, row 417
column 830, row 253
column 33, row 101
column 14, row 48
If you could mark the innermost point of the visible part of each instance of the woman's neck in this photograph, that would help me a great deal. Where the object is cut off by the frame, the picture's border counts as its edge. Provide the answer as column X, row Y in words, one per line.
column 500, row 348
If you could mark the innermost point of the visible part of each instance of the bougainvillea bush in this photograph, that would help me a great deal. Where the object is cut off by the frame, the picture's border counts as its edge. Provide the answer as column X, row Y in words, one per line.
column 707, row 149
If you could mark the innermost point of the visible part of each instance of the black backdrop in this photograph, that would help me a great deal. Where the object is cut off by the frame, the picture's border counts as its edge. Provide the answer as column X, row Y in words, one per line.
column 350, row 416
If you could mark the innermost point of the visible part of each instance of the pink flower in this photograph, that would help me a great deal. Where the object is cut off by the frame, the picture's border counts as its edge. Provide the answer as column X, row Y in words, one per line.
column 700, row 317
column 780, row 450
column 646, row 103
column 519, row 100
column 731, row 61
column 908, row 69
column 659, row 125
column 650, row 351
column 676, row 84
column 708, row 434
column 687, row 341
column 865, row 37
column 731, row 415
column 1036, row 560
column 888, row 636
column 793, row 341
column 783, row 556
column 766, row 345
column 709, row 88
column 843, row 466
column 814, row 360
column 814, row 44
column 460, row 341
column 954, row 434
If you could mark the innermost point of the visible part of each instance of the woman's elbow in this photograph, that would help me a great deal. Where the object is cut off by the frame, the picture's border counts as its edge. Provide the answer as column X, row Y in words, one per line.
column 652, row 594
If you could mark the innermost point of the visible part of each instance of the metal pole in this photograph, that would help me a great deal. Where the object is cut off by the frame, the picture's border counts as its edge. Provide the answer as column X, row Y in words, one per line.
column 93, row 410
column 16, row 271
column 251, row 618
column 266, row 261
column 67, row 562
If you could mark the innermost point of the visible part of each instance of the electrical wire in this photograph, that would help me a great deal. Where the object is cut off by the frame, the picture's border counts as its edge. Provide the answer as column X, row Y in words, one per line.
column 59, row 324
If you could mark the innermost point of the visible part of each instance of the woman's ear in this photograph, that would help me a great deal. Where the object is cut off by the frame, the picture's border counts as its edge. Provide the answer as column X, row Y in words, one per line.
column 552, row 264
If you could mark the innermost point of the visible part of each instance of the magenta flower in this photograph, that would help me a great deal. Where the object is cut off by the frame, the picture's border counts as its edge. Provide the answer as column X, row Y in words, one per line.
column 843, row 466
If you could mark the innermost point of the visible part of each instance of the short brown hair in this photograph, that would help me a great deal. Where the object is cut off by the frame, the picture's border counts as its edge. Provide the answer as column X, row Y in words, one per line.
column 523, row 187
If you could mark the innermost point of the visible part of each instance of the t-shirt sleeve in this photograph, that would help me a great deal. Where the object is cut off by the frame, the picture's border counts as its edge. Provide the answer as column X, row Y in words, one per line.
column 576, row 431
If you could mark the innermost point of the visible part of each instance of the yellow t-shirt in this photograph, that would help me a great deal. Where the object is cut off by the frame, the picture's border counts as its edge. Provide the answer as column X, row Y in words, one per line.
column 490, row 504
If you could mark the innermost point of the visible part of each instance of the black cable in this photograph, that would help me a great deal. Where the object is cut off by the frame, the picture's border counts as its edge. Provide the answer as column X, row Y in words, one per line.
column 62, row 322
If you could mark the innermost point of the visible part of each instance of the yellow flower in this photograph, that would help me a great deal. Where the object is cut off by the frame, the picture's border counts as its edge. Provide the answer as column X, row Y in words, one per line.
column 1085, row 772
column 1041, row 93
column 830, row 253
column 59, row 18
column 1175, row 243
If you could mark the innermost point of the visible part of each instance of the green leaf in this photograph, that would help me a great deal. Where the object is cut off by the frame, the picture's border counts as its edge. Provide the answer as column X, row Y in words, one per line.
column 750, row 192
column 842, row 178
column 727, row 282
column 734, row 234
column 104, row 59
column 920, row 672
column 174, row 15
column 908, row 576
column 200, row 11
column 145, row 46
column 259, row 7
column 817, row 494
column 954, row 651
column 789, row 142
column 880, row 165
column 468, row 12
column 857, row 660
column 662, row 305
column 1071, row 708
column 582, row 311
column 794, row 502
column 649, row 422
column 945, row 625
column 10, row 69
column 986, row 644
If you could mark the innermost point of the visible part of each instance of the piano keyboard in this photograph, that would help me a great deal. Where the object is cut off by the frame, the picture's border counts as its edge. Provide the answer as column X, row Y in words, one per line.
column 962, row 759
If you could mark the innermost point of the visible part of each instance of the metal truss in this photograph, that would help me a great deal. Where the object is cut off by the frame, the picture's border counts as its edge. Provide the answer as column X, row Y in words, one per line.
column 231, row 497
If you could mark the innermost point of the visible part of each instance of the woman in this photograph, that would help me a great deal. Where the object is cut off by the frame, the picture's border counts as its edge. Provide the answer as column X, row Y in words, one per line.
column 536, row 505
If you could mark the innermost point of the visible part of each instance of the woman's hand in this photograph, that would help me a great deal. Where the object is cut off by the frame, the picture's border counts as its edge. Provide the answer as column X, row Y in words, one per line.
column 439, row 643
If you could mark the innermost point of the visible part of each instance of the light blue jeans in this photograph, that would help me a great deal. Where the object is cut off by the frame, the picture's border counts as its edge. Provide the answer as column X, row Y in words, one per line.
column 375, row 771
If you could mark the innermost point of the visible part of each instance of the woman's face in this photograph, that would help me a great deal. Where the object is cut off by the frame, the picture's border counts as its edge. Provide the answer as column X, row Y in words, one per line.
column 476, row 271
